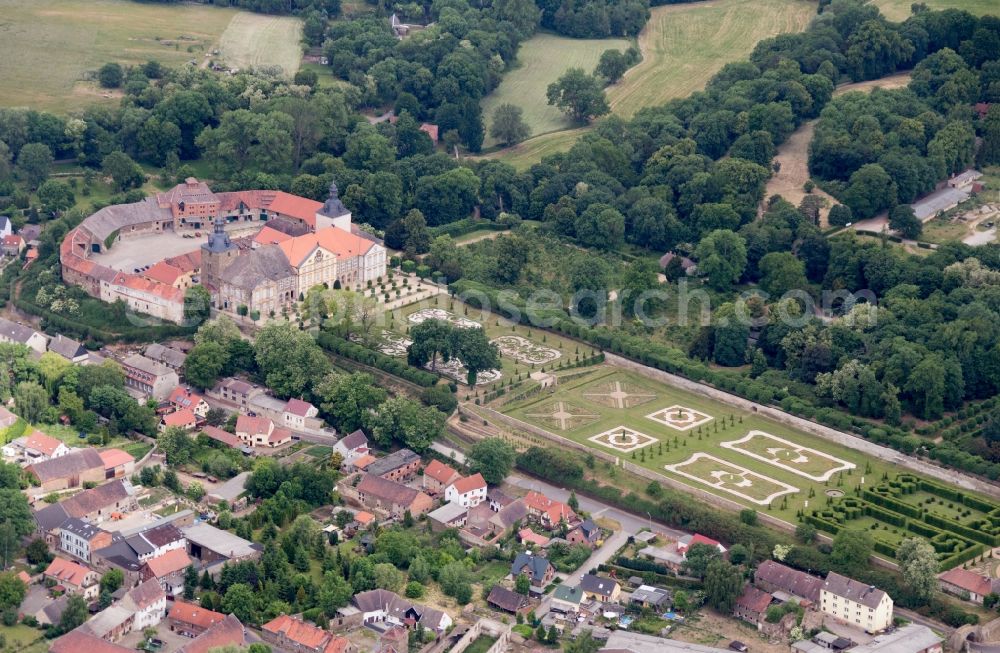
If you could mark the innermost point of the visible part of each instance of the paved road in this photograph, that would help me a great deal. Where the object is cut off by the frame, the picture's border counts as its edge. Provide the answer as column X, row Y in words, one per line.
column 598, row 557
column 630, row 523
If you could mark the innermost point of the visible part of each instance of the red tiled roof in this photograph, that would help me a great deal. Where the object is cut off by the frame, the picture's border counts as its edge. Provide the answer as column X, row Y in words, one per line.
column 79, row 640
column 363, row 461
column 42, row 442
column 168, row 563
column 115, row 458
column 294, row 206
column 24, row 577
column 431, row 130
column 701, row 539
column 440, row 472
column 253, row 425
column 183, row 417
column 270, row 236
column 67, row 571
column 279, row 435
column 298, row 407
column 754, row 599
column 364, row 518
column 528, row 536
column 12, row 240
column 188, row 262
column 555, row 510
column 306, row 635
column 228, row 632
column 164, row 273
column 184, row 398
column 470, row 484
column 224, row 437
column 968, row 581
column 189, row 613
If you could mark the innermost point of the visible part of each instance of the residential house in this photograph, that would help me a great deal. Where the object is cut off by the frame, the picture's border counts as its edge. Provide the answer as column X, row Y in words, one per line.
column 220, row 635
column 110, row 624
column 856, row 603
column 527, row 536
column 782, row 581
column 35, row 448
column 51, row 613
column 79, row 640
column 168, row 570
column 190, row 619
column 655, row 598
column 185, row 398
column 968, row 585
column 147, row 377
column 129, row 553
column 686, row 542
column 73, row 577
column 566, row 599
column 102, row 502
column 391, row 497
column 80, row 539
column 261, row 432
column 538, row 569
column 437, row 477
column 217, row 434
column 486, row 524
column 294, row 635
column 213, row 545
column 450, row 515
column 508, row 601
column 172, row 358
column 548, row 512
column 72, row 470
column 586, row 532
column 399, row 466
column 18, row 334
column 69, row 349
column 237, row 391
column 117, row 463
column 468, row 492
column 148, row 602
column 751, row 605
column 352, row 446
column 13, row 245
column 598, row 588
column 184, row 419
column 383, row 606
column 299, row 415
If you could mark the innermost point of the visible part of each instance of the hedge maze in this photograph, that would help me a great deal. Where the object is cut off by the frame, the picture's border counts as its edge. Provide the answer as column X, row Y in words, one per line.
column 959, row 525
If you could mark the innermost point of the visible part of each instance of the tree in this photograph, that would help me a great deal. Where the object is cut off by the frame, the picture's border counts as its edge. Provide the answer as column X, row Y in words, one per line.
column 584, row 643
column 474, row 349
column 508, row 125
column 74, row 614
column 37, row 552
column 240, row 602
column 55, row 196
column 31, row 400
column 418, row 238
column 387, row 577
column 723, row 584
column 406, row 421
column 851, row 549
column 697, row 559
column 34, row 162
column 989, row 152
column 579, row 95
column 612, row 65
column 289, row 359
column 903, row 220
column 346, row 400
column 124, row 172
column 522, row 584
column 806, row 533
column 197, row 305
column 334, row 593
column 493, row 458
column 112, row 580
column 919, row 565
column 780, row 273
column 840, row 215
column 12, row 591
column 601, row 226
column 110, row 75
column 431, row 338
column 204, row 364
column 722, row 257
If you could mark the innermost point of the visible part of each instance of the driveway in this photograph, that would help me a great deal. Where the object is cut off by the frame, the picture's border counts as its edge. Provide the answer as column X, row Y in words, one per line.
column 598, row 557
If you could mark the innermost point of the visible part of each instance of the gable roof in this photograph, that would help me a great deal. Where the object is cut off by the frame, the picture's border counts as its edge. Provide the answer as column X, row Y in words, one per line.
column 569, row 594
column 528, row 536
column 41, row 442
column 784, row 578
column 470, row 484
column 66, row 347
column 267, row 263
column 535, row 565
column 228, row 632
column 145, row 594
column 182, row 418
column 853, row 590
column 195, row 615
column 163, row 272
column 115, row 458
column 306, row 635
column 270, row 236
column 753, row 599
column 15, row 332
column 168, row 563
column 382, row 600
column 166, row 355
column 67, row 571
column 98, row 498
column 594, row 584
column 253, row 425
column 506, row 599
column 298, row 407
column 51, row 517
column 72, row 464
column 147, row 365
column 440, row 472
column 390, row 491
column 218, row 434
column 354, row 440
column 81, row 528
column 184, row 397
column 80, row 640
column 392, row 462
column 967, row 580
column 556, row 511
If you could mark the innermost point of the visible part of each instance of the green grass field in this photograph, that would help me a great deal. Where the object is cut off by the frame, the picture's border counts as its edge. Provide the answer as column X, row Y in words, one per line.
column 543, row 58
column 597, row 401
column 52, row 47
column 682, row 47
column 900, row 9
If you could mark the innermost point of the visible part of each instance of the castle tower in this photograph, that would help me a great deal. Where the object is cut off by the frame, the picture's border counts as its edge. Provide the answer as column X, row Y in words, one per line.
column 333, row 213
column 217, row 255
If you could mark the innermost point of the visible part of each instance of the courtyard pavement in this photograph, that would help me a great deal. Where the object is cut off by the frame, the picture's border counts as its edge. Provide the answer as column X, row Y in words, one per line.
column 129, row 254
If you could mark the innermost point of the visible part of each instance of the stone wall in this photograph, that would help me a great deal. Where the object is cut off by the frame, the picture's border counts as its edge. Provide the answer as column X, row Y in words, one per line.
column 485, row 627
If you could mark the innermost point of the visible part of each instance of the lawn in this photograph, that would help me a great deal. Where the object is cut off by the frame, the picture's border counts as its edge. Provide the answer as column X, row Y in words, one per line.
column 52, row 48
column 682, row 46
column 481, row 644
column 543, row 58
column 608, row 400
column 900, row 9
column 24, row 639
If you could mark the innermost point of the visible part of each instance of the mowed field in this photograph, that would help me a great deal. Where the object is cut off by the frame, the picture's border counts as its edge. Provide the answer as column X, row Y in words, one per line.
column 702, row 442
column 543, row 58
column 682, row 47
column 259, row 40
column 50, row 47
column 900, row 9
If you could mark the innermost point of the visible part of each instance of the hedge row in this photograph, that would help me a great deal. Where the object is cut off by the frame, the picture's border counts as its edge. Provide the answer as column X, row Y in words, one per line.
column 347, row 349
column 464, row 226
column 892, row 504
column 950, row 525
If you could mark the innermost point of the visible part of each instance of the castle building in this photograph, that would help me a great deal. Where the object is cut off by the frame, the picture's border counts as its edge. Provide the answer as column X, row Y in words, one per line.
column 307, row 243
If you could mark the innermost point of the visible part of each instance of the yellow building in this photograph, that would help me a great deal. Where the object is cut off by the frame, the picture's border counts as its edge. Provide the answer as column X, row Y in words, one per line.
column 855, row 603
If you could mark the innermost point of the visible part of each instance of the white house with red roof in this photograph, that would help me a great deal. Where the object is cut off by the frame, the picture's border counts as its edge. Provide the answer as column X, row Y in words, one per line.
column 299, row 414
column 352, row 446
column 117, row 463
column 181, row 397
column 467, row 492
column 261, row 432
column 549, row 512
column 438, row 476
column 35, row 448
column 182, row 419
